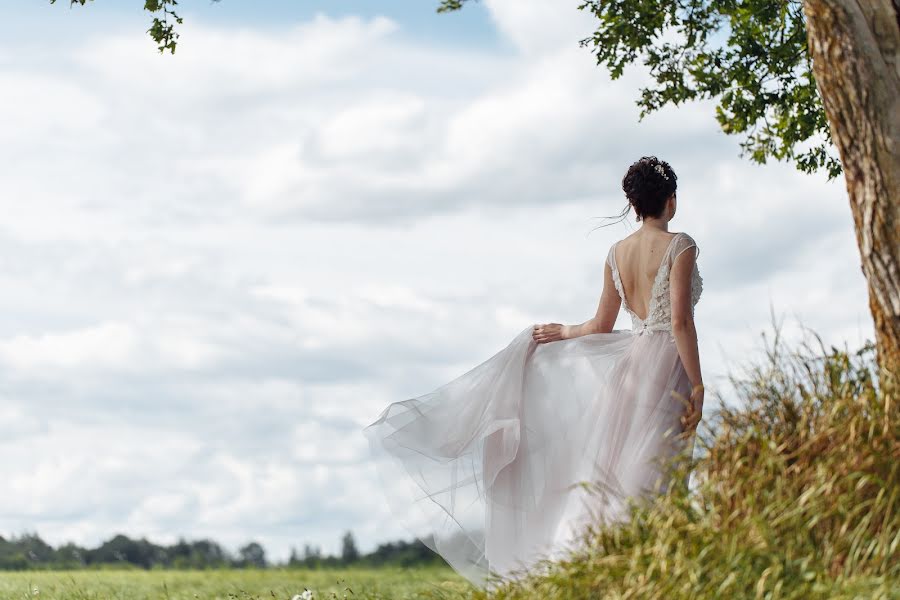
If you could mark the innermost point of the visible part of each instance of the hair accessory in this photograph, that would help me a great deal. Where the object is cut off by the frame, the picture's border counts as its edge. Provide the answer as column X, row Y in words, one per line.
column 659, row 169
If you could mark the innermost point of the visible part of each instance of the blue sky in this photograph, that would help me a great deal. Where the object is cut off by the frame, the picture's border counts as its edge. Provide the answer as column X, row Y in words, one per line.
column 419, row 20
column 219, row 266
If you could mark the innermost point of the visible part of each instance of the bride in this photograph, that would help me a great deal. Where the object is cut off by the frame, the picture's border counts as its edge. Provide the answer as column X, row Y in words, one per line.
column 486, row 469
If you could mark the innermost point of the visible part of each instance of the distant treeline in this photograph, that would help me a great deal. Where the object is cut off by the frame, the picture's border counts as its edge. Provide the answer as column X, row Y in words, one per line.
column 29, row 551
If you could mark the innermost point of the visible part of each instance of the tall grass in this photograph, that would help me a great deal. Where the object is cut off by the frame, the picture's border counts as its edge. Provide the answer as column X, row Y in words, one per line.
column 796, row 495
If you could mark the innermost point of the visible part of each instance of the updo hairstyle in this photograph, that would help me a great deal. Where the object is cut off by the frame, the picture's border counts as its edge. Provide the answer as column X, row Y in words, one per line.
column 648, row 184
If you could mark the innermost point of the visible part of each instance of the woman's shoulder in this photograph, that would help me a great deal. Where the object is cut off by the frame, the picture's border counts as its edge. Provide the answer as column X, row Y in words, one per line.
column 681, row 241
column 686, row 238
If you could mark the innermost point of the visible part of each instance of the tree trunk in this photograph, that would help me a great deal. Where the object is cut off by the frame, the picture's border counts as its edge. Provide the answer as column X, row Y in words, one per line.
column 854, row 45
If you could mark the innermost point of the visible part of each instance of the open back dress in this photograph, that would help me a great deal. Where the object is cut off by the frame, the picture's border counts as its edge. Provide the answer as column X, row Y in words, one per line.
column 485, row 470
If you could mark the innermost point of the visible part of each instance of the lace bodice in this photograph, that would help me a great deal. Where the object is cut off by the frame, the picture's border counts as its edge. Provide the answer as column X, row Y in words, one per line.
column 659, row 313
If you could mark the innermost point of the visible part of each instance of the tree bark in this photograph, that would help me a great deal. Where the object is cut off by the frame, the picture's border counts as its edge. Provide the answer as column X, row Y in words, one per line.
column 854, row 49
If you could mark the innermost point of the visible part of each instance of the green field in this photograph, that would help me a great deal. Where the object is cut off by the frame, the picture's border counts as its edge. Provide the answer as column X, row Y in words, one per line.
column 233, row 584
column 285, row 584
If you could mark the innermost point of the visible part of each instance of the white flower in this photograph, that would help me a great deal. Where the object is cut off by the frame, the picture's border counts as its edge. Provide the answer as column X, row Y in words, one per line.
column 306, row 595
column 661, row 171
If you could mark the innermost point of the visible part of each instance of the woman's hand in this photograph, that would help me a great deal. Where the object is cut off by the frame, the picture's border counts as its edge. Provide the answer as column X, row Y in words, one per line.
column 691, row 418
column 549, row 332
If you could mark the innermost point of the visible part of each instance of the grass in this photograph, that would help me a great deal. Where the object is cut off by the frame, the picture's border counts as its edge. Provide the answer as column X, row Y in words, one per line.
column 797, row 497
column 233, row 584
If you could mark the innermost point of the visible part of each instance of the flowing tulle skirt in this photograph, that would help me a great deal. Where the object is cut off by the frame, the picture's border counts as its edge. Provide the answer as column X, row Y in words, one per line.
column 485, row 470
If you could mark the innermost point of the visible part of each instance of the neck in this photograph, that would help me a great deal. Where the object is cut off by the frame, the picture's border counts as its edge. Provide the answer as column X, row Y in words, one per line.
column 659, row 224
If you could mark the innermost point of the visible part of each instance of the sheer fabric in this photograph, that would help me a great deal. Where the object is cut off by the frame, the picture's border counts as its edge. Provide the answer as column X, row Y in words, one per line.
column 659, row 315
column 485, row 470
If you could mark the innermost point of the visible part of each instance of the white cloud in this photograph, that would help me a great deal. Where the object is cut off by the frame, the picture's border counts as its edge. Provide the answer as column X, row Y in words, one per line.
column 46, row 107
column 213, row 63
column 108, row 345
column 540, row 28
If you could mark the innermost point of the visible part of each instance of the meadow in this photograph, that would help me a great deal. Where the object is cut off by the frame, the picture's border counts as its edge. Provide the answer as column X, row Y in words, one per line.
column 234, row 584
column 797, row 498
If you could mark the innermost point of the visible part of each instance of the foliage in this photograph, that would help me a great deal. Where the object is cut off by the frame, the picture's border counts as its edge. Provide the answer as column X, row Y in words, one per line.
column 752, row 56
column 349, row 553
column 252, row 555
column 162, row 30
column 403, row 554
column 450, row 5
column 29, row 552
column 797, row 496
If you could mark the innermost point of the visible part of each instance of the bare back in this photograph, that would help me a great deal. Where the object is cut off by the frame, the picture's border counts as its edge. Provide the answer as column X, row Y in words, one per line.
column 638, row 258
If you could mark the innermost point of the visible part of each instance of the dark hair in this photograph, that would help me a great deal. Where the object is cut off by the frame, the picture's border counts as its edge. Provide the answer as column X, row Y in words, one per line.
column 648, row 184
column 646, row 188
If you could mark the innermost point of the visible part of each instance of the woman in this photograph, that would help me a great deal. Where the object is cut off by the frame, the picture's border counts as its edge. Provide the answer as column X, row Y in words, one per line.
column 485, row 470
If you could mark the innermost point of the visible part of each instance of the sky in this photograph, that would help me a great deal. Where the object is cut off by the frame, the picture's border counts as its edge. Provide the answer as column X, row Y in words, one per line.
column 217, row 267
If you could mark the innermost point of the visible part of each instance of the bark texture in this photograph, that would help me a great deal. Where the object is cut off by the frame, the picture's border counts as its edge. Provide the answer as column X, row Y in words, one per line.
column 854, row 48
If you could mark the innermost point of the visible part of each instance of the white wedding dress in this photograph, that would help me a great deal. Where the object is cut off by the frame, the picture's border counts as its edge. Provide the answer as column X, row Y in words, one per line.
column 483, row 469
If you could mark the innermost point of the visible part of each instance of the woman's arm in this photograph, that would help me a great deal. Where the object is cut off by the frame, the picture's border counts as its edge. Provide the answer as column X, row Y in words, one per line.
column 602, row 322
column 607, row 311
column 683, row 328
